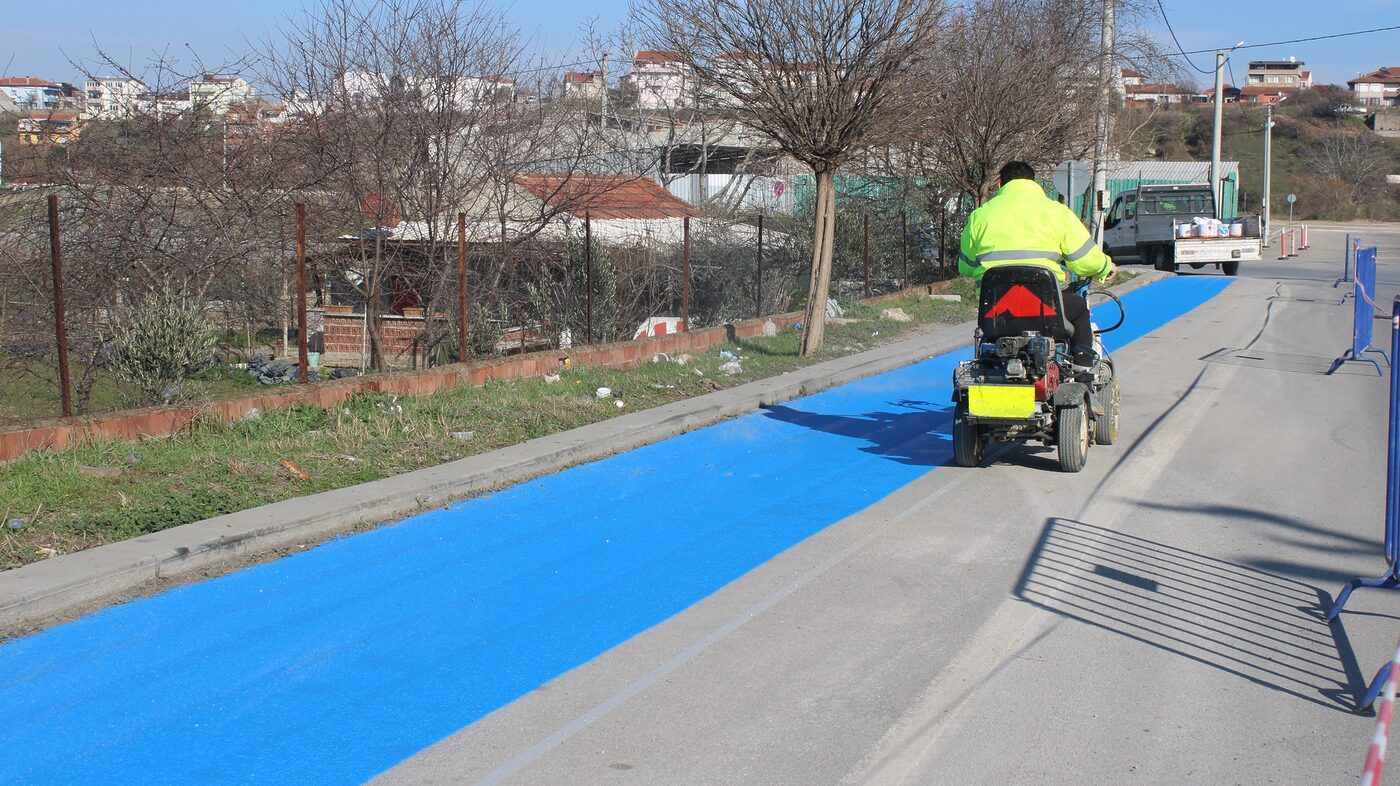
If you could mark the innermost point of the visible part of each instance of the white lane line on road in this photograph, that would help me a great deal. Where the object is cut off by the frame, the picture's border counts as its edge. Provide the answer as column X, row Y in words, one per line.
column 534, row 752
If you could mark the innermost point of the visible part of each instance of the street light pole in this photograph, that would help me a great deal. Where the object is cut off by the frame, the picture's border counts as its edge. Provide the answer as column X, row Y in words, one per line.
column 1266, row 204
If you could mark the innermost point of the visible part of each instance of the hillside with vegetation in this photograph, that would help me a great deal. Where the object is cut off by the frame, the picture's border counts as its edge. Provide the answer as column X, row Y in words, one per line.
column 1322, row 153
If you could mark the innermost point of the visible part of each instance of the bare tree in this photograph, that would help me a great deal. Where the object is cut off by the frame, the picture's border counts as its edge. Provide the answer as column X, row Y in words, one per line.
column 1021, row 84
column 823, row 79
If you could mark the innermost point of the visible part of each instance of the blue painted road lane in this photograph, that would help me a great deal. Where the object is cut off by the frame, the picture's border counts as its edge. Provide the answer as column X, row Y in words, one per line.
column 333, row 665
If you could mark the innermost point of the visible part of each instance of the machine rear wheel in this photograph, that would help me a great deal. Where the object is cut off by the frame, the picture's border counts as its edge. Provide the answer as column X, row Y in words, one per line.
column 1072, row 437
column 1106, row 427
column 1231, row 268
column 967, row 442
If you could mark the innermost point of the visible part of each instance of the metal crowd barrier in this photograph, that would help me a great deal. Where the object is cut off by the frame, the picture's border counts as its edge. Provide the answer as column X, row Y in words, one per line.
column 1365, row 311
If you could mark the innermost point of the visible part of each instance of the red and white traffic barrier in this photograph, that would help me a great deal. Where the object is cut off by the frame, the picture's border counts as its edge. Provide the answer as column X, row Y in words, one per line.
column 1284, row 239
column 1303, row 235
column 1375, row 755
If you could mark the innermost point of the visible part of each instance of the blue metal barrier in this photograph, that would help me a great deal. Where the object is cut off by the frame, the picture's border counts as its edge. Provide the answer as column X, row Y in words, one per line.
column 1391, row 579
column 1348, row 254
column 1364, row 311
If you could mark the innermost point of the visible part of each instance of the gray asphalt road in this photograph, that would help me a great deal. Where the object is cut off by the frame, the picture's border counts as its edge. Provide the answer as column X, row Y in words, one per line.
column 1151, row 620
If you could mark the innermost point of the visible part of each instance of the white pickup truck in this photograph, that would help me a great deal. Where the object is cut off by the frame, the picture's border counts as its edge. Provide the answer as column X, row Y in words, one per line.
column 1142, row 225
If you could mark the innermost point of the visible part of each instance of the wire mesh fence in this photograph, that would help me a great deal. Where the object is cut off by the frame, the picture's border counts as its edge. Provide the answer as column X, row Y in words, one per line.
column 384, row 300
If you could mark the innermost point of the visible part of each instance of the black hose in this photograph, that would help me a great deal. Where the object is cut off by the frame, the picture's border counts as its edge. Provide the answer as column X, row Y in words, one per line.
column 1122, row 313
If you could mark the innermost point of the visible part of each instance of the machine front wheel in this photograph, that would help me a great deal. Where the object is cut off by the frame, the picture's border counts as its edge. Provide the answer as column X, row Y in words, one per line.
column 1072, row 437
column 1106, row 427
column 967, row 442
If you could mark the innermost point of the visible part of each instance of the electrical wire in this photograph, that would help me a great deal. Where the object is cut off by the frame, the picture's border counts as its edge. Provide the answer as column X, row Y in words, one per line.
column 1177, row 41
column 1295, row 40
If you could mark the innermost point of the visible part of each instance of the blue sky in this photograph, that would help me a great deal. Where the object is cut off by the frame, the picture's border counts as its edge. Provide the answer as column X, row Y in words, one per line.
column 35, row 36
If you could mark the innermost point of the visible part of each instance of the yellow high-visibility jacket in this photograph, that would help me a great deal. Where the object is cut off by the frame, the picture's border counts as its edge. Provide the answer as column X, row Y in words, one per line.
column 1022, row 226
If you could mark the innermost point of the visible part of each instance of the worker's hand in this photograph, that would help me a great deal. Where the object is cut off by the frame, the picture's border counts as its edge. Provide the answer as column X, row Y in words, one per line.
column 1107, row 272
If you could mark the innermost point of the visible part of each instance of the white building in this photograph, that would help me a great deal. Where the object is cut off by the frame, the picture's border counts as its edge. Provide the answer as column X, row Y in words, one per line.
column 31, row 93
column 584, row 85
column 111, row 97
column 660, row 80
column 217, row 93
column 1378, row 88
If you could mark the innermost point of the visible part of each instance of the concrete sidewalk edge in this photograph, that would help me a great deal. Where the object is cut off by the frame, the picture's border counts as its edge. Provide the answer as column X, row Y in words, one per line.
column 60, row 588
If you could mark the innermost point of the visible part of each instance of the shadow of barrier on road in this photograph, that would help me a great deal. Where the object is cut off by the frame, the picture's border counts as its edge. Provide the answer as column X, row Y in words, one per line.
column 1273, row 361
column 1255, row 625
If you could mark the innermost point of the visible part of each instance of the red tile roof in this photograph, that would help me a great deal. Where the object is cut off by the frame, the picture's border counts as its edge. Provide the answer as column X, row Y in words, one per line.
column 26, row 81
column 1130, row 73
column 579, row 76
column 665, row 56
column 1386, row 75
column 606, row 196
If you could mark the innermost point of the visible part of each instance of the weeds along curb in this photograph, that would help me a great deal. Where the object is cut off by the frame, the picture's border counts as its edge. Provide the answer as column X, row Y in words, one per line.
column 60, row 588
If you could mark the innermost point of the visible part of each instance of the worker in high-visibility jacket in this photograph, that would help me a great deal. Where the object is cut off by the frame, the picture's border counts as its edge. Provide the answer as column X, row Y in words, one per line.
column 1022, row 226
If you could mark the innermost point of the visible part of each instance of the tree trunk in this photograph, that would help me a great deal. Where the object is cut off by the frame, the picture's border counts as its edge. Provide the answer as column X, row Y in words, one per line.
column 823, row 249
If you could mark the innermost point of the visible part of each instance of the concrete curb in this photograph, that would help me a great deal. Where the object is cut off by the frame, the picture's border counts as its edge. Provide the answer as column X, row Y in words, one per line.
column 62, row 587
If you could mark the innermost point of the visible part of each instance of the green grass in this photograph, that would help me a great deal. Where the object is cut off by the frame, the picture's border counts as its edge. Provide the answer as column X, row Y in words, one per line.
column 226, row 467
column 29, row 391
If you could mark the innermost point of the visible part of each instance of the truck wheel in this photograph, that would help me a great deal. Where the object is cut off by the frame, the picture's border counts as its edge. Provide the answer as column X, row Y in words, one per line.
column 967, row 442
column 1160, row 257
column 1197, row 265
column 1072, row 437
column 1106, row 427
column 1231, row 268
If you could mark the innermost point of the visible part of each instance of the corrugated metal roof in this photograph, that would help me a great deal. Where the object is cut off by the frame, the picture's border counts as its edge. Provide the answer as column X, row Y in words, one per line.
column 1168, row 171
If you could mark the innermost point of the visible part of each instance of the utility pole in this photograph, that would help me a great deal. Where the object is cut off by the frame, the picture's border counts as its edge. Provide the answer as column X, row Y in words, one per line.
column 1220, row 56
column 605, row 90
column 1101, row 122
column 1215, row 134
column 1266, row 203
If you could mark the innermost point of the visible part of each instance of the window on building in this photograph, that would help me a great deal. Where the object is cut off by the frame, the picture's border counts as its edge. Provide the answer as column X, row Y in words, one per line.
column 1273, row 80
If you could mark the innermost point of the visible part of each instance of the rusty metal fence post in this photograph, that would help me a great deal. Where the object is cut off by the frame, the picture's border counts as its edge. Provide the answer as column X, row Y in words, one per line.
column 303, row 356
column 588, row 272
column 758, row 282
column 685, row 277
column 865, row 253
column 65, row 385
column 462, row 341
column 904, row 246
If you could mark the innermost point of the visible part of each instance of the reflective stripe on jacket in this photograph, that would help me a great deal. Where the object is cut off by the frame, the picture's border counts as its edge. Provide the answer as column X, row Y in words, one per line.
column 1021, row 225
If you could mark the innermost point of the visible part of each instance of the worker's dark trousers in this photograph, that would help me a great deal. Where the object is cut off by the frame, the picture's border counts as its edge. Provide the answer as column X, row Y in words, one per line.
column 1077, row 314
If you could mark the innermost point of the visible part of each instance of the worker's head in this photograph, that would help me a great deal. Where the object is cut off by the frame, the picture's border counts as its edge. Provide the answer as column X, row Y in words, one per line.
column 1016, row 170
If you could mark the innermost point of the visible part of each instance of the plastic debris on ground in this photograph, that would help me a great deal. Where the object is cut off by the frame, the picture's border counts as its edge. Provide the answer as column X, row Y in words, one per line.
column 724, row 353
column 661, row 357
column 46, row 552
column 769, row 328
column 833, row 309
column 896, row 315
column 252, row 414
column 15, row 524
column 731, row 368
column 551, row 378
column 603, row 392
column 463, row 436
column 618, row 403
column 681, row 360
